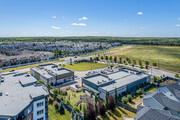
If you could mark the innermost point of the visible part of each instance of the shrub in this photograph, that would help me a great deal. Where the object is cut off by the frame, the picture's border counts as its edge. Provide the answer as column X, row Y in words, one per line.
column 56, row 106
column 177, row 75
column 129, row 98
column 124, row 100
column 68, row 102
column 154, row 64
column 102, row 109
column 51, row 101
column 139, row 92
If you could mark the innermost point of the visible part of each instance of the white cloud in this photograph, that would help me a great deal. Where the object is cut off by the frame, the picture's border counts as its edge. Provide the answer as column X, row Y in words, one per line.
column 55, row 27
column 62, row 17
column 178, row 18
column 78, row 24
column 54, row 17
column 177, row 25
column 83, row 18
column 140, row 13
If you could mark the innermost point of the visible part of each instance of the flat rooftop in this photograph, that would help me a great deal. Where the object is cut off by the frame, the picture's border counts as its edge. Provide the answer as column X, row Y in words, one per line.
column 15, row 97
column 119, row 78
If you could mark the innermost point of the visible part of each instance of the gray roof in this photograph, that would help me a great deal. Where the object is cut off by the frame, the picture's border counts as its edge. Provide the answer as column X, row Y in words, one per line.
column 114, row 80
column 165, row 101
column 15, row 97
column 148, row 113
column 124, row 79
column 175, row 89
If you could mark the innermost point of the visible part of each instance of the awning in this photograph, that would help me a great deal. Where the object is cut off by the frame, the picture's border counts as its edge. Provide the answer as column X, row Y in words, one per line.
column 90, row 88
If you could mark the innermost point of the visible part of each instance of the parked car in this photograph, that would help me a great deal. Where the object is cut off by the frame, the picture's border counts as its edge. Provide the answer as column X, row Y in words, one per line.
column 77, row 86
column 103, row 72
column 11, row 70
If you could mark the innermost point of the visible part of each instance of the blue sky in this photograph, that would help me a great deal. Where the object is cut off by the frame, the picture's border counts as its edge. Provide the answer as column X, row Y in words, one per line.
column 126, row 18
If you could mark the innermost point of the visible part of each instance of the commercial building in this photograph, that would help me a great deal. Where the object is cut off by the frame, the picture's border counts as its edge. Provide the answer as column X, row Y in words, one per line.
column 22, row 98
column 124, row 80
column 52, row 74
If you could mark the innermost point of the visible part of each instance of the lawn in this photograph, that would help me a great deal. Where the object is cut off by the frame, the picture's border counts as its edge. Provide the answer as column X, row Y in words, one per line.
column 74, row 96
column 168, row 57
column 118, row 114
column 151, row 90
column 136, row 101
column 28, row 66
column 53, row 115
column 85, row 66
column 82, row 106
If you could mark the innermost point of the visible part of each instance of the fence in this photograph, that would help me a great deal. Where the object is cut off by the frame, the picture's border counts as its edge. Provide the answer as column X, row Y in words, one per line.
column 167, row 78
column 127, row 107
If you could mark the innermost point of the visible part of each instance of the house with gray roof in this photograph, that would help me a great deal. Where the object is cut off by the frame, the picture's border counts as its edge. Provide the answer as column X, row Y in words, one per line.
column 21, row 97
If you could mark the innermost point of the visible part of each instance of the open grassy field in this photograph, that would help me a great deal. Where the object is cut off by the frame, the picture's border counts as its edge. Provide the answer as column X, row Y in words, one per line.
column 85, row 66
column 168, row 57
column 53, row 115
column 109, row 50
column 28, row 66
column 118, row 114
column 151, row 90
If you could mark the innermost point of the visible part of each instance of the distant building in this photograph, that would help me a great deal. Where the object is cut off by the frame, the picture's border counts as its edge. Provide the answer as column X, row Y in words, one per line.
column 22, row 98
column 52, row 74
column 124, row 80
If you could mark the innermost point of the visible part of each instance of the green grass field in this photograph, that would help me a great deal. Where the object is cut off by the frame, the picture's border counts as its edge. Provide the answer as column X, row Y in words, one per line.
column 53, row 115
column 85, row 66
column 118, row 114
column 28, row 66
column 151, row 90
column 168, row 57
column 74, row 96
column 110, row 50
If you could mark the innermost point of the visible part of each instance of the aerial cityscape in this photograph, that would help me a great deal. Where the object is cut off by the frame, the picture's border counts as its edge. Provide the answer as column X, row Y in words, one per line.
column 89, row 60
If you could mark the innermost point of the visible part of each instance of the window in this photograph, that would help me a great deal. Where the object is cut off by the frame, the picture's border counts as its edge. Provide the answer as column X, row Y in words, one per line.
column 40, row 118
column 40, row 104
column 39, row 112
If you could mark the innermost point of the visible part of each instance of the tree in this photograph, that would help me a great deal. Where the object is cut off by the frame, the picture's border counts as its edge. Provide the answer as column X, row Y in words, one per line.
column 106, row 102
column 139, row 92
column 91, row 114
column 106, row 57
column 177, row 75
column 49, row 86
column 120, row 59
column 41, row 81
column 140, row 63
column 127, row 59
column 110, row 58
column 115, row 95
column 111, row 103
column 80, row 107
column 76, row 109
column 56, row 106
column 146, row 63
column 102, row 109
column 124, row 100
column 129, row 98
column 115, row 59
column 72, row 114
column 133, row 65
column 154, row 64
column 51, row 101
column 55, row 93
column 84, row 112
column 141, row 67
column 91, row 59
column 102, row 57
column 61, row 108
column 134, row 62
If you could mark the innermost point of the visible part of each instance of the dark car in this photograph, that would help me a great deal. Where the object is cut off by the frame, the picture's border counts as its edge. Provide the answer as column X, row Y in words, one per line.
column 11, row 70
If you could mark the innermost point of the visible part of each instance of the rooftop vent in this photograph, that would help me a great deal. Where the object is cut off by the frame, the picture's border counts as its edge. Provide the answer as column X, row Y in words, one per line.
column 6, row 94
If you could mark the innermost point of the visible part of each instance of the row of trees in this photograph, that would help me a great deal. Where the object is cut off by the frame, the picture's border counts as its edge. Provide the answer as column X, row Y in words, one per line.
column 126, row 61
column 122, row 40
